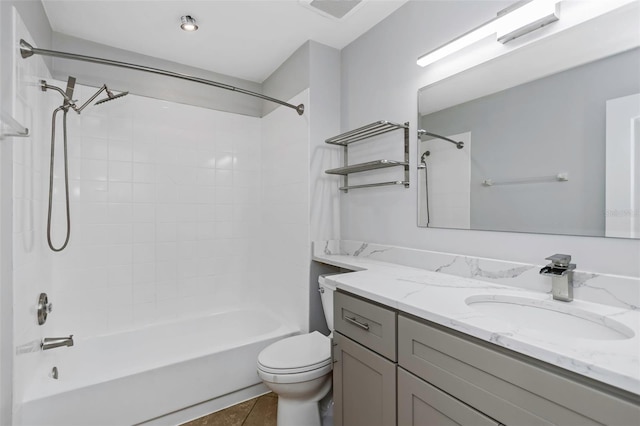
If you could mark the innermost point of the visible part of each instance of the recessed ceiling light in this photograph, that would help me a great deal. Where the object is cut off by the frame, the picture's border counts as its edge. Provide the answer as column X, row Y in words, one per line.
column 188, row 23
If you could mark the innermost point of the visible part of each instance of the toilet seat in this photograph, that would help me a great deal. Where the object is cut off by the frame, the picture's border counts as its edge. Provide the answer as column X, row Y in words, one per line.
column 297, row 355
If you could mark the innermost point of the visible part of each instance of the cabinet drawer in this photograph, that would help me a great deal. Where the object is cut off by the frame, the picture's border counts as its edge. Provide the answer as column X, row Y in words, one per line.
column 506, row 387
column 420, row 404
column 370, row 325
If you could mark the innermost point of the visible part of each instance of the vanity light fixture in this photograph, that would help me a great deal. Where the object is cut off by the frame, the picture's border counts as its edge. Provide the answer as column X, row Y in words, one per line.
column 512, row 22
column 188, row 23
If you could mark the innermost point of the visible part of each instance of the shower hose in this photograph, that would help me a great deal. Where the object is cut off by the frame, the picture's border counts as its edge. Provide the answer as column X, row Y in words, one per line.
column 65, row 110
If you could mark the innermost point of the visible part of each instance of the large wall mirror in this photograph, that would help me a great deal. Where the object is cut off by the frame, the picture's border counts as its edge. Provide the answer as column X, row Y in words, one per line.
column 557, row 152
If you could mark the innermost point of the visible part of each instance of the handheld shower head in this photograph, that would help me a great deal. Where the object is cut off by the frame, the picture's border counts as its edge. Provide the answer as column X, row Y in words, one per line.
column 111, row 96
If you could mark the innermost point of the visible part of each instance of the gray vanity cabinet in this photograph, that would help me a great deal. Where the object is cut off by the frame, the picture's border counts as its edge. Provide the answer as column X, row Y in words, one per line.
column 421, row 404
column 364, row 369
column 364, row 386
column 508, row 387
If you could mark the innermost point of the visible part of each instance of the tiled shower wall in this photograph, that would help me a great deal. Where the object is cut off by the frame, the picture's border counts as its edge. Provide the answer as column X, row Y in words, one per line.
column 165, row 204
column 31, row 261
column 285, row 248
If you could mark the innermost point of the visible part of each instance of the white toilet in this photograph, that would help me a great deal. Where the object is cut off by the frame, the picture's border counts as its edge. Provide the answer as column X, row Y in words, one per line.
column 298, row 370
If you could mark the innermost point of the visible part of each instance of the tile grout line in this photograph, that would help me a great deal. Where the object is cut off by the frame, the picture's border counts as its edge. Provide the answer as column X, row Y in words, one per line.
column 255, row 401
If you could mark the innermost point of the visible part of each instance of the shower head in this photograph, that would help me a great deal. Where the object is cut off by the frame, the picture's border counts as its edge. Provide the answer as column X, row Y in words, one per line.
column 111, row 96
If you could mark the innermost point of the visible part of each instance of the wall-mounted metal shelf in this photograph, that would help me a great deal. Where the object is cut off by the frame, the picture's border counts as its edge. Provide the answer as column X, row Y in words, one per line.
column 363, row 167
column 365, row 132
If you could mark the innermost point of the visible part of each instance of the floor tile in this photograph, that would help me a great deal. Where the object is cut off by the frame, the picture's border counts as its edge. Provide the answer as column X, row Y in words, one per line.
column 261, row 411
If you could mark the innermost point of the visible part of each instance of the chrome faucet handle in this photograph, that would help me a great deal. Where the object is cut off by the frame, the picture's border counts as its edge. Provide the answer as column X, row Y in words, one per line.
column 560, row 260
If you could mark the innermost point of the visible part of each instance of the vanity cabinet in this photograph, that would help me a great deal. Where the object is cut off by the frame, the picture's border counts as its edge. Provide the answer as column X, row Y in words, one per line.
column 364, row 386
column 505, row 386
column 421, row 404
column 364, row 369
column 392, row 368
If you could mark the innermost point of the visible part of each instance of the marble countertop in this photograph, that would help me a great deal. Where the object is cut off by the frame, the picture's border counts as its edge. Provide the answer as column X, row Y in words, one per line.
column 440, row 298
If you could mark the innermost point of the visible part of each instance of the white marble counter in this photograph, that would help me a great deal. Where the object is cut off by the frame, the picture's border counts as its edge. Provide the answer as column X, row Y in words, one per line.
column 440, row 298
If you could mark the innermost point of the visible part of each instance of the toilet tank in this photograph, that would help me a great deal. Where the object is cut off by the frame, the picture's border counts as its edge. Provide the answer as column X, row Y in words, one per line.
column 326, row 295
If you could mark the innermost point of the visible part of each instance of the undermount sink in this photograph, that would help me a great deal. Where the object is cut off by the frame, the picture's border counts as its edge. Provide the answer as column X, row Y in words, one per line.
column 548, row 316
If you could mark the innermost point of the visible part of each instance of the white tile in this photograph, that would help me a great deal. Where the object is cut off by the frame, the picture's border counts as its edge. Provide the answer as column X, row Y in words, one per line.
column 144, row 293
column 144, row 193
column 120, row 255
column 187, row 231
column 224, row 161
column 93, row 191
column 120, row 129
column 224, row 177
column 167, row 270
column 120, row 317
column 120, row 192
column 144, row 233
column 95, row 148
column 224, row 230
column 120, row 171
column 120, row 150
column 121, row 295
column 166, row 212
column 144, row 253
column 207, row 231
column 120, row 233
column 144, row 173
column 166, row 232
column 120, row 213
column 166, row 251
column 166, row 290
column 94, row 170
column 144, row 213
column 120, row 275
column 144, row 273
column 143, row 152
column 145, row 313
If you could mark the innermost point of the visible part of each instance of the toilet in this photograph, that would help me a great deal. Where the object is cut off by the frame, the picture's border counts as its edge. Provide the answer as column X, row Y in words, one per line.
column 298, row 369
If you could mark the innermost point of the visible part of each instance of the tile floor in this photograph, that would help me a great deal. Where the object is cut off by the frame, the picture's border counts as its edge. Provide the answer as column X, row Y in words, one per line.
column 260, row 411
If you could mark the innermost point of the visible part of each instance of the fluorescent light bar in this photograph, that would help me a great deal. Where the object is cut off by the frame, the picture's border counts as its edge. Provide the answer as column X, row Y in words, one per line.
column 458, row 44
column 510, row 24
column 525, row 19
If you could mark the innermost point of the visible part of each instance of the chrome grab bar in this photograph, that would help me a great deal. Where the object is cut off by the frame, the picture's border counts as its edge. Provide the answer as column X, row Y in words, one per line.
column 362, row 325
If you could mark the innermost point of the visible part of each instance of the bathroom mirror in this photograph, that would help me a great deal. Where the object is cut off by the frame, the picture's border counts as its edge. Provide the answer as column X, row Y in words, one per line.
column 548, row 146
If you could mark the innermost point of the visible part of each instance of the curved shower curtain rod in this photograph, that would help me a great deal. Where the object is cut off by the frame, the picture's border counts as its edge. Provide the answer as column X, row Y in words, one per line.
column 27, row 50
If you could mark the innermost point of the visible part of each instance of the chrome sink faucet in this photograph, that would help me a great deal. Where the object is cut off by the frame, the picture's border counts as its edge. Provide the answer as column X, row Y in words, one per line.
column 561, row 272
column 55, row 342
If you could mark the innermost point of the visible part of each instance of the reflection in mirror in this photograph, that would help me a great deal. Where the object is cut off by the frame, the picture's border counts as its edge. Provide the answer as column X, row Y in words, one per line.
column 556, row 155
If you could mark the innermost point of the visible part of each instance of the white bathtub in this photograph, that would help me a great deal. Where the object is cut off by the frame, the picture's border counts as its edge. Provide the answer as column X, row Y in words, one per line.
column 137, row 376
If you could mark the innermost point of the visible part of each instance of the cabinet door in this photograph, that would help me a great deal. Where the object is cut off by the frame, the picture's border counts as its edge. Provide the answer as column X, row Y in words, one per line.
column 364, row 385
column 420, row 404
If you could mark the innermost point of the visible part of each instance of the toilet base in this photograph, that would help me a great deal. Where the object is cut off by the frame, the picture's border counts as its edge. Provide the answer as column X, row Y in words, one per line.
column 297, row 413
column 298, row 405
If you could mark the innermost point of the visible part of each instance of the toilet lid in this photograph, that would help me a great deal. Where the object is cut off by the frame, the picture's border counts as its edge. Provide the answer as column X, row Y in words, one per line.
column 296, row 354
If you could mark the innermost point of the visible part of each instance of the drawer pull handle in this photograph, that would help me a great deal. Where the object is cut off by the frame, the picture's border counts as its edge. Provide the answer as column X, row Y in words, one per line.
column 354, row 321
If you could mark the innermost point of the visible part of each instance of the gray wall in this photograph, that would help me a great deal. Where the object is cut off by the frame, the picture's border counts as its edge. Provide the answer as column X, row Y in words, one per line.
column 152, row 85
column 555, row 124
column 34, row 17
column 380, row 80
column 291, row 78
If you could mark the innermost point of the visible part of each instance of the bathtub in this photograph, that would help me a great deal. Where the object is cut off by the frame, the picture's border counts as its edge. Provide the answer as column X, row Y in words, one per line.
column 152, row 373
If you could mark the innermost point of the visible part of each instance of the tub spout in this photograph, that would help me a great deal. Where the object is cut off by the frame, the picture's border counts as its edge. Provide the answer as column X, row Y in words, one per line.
column 55, row 342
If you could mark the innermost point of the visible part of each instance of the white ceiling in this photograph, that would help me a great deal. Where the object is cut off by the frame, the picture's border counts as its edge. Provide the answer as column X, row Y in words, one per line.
column 245, row 39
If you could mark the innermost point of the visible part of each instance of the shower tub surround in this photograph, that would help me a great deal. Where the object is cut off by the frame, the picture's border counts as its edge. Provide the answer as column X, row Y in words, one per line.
column 434, row 286
column 135, row 376
column 162, row 283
